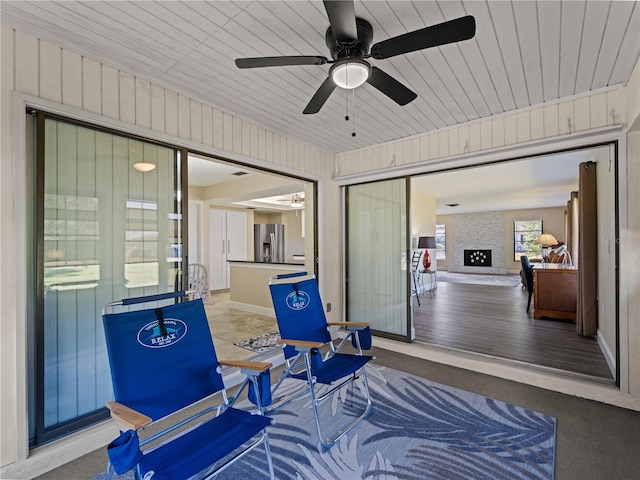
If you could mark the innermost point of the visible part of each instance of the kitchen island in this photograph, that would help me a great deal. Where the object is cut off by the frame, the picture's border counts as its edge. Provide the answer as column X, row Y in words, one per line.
column 249, row 284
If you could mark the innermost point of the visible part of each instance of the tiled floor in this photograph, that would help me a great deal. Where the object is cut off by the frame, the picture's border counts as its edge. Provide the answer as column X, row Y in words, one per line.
column 229, row 325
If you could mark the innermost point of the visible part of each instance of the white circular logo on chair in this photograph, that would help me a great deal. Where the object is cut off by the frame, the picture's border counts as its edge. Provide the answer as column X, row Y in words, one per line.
column 150, row 335
column 298, row 300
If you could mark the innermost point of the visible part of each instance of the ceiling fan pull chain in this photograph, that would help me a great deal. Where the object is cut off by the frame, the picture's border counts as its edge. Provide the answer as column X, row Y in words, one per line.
column 353, row 113
column 346, row 105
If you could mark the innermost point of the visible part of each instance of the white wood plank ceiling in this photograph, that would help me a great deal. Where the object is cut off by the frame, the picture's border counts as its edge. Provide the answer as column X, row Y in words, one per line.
column 524, row 53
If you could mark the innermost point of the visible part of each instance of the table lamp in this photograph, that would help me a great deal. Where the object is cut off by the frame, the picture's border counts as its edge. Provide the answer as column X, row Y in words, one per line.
column 426, row 242
column 546, row 240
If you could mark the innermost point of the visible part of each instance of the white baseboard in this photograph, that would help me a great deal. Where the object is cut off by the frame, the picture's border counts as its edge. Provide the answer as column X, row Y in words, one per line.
column 608, row 355
column 267, row 312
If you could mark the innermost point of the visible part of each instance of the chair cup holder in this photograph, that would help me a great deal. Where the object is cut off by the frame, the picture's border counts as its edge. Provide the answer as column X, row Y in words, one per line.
column 124, row 452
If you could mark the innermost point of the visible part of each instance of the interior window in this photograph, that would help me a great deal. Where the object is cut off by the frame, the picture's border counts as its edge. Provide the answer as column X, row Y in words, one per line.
column 525, row 233
column 441, row 242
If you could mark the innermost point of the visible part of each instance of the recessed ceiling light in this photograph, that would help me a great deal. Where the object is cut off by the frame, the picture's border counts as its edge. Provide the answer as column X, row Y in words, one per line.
column 239, row 174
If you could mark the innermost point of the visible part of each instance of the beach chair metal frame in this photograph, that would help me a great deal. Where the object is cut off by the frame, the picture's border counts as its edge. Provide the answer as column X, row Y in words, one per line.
column 302, row 353
column 209, row 420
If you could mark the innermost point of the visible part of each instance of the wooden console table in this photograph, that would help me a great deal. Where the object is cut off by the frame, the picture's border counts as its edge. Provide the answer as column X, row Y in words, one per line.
column 555, row 291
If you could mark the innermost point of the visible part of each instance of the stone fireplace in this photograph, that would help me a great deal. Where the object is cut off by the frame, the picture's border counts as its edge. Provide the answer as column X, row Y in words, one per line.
column 478, row 243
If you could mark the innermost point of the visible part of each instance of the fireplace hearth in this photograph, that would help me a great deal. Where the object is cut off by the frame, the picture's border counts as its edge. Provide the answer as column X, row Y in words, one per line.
column 477, row 258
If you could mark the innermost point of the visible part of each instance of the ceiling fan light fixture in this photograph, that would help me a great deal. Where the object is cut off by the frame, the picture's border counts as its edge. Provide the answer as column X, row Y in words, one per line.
column 351, row 73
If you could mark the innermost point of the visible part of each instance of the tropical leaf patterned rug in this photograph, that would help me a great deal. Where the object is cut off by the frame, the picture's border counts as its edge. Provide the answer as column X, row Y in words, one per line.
column 417, row 430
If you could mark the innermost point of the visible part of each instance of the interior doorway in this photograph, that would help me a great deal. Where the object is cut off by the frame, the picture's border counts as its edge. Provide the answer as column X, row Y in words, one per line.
column 477, row 209
column 226, row 202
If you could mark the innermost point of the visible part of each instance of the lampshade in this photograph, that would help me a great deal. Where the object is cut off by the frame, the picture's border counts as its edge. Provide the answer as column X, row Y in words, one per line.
column 350, row 74
column 546, row 240
column 144, row 166
column 426, row 242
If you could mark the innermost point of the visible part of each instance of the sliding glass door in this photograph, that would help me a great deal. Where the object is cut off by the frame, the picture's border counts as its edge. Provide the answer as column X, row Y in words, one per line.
column 108, row 226
column 377, row 248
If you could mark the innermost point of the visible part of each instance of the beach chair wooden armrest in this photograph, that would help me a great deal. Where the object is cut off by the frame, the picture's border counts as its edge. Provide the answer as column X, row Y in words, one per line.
column 128, row 417
column 350, row 325
column 300, row 345
column 246, row 365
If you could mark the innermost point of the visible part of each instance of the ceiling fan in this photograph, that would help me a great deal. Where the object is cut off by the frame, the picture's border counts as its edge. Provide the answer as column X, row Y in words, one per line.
column 348, row 38
column 296, row 200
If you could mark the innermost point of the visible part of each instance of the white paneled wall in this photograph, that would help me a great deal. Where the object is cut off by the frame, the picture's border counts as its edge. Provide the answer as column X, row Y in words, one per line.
column 599, row 109
column 55, row 74
column 632, row 100
column 631, row 237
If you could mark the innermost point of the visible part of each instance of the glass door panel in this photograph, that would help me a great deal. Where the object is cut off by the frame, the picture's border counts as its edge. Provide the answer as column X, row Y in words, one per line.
column 377, row 277
column 109, row 228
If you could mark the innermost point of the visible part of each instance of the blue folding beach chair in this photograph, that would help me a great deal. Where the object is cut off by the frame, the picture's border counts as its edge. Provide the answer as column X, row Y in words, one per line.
column 162, row 362
column 304, row 331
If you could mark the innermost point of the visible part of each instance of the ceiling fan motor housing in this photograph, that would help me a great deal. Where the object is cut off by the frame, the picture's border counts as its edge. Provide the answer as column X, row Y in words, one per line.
column 357, row 48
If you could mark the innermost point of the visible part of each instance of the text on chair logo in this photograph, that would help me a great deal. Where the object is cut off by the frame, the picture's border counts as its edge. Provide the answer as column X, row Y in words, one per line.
column 298, row 300
column 150, row 335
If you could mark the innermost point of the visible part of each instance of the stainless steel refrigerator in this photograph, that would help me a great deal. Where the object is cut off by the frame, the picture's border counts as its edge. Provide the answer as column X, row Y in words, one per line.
column 268, row 242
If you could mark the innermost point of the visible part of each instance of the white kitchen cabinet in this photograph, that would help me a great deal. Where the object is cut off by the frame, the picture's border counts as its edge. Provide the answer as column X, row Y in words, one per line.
column 227, row 241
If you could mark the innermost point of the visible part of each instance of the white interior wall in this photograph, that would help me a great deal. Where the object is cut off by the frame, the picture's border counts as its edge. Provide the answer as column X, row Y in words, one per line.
column 293, row 241
column 423, row 214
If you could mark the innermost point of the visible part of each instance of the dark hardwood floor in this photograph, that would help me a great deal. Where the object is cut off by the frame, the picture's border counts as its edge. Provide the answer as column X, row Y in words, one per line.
column 493, row 320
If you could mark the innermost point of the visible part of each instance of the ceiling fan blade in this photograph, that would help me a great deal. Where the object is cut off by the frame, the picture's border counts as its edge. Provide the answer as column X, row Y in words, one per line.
column 391, row 87
column 321, row 96
column 342, row 17
column 462, row 28
column 280, row 61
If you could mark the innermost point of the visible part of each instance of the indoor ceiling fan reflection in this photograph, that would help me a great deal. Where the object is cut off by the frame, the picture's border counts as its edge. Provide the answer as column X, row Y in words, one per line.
column 295, row 201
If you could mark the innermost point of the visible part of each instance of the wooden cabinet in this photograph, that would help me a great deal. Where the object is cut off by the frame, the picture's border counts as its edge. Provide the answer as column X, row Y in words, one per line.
column 555, row 292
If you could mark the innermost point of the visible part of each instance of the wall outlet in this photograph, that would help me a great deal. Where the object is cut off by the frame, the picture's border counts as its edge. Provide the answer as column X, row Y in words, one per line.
column 328, row 307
